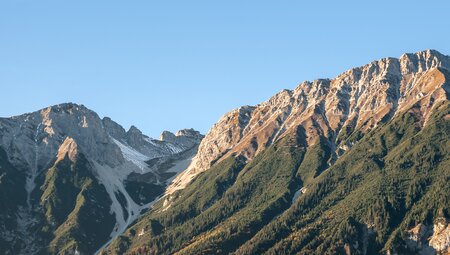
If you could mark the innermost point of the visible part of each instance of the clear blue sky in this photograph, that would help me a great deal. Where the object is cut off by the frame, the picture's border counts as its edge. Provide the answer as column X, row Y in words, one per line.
column 167, row 65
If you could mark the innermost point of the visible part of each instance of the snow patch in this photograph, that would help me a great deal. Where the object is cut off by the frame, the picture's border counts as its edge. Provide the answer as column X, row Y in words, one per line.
column 133, row 155
column 112, row 179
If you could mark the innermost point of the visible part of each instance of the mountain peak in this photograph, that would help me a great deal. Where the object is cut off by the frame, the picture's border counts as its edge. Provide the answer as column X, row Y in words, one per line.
column 186, row 138
column 134, row 130
column 167, row 136
column 189, row 132
column 69, row 105
column 69, row 108
column 69, row 141
column 355, row 101
column 425, row 53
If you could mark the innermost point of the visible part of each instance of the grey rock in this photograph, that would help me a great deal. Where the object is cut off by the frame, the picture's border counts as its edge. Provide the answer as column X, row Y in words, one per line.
column 115, row 130
column 45, row 130
column 35, row 141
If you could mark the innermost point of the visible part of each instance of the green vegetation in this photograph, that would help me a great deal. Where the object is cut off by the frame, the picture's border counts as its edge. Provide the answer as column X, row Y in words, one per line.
column 223, row 206
column 395, row 177
column 76, row 208
column 11, row 197
column 143, row 192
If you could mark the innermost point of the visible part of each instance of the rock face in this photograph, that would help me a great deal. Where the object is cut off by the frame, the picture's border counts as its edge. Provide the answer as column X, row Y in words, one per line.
column 67, row 149
column 71, row 135
column 440, row 240
column 341, row 166
column 33, row 139
column 353, row 103
column 430, row 239
column 168, row 144
column 184, row 138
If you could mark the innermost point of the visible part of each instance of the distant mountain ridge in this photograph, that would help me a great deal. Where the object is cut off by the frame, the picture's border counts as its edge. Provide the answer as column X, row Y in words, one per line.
column 68, row 136
column 358, row 164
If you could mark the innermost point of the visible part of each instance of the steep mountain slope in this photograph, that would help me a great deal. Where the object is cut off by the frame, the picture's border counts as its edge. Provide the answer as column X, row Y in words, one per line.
column 354, row 165
column 10, row 201
column 78, row 180
column 352, row 103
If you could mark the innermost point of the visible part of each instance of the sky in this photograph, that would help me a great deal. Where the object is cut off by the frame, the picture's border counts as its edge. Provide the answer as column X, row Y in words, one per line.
column 168, row 65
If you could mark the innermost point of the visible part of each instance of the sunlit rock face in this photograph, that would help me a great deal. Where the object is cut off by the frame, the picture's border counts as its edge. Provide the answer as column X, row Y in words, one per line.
column 433, row 239
column 356, row 101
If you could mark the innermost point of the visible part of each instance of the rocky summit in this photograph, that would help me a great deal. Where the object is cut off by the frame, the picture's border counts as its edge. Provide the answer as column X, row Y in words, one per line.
column 358, row 100
column 77, row 180
column 358, row 164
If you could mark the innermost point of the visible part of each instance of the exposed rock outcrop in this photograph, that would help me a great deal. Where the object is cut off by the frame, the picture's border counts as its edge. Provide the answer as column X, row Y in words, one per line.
column 356, row 101
column 35, row 143
column 167, row 145
column 68, row 148
column 431, row 240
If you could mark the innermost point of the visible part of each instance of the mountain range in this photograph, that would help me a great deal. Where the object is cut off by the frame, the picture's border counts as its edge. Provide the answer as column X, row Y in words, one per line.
column 358, row 164
column 70, row 181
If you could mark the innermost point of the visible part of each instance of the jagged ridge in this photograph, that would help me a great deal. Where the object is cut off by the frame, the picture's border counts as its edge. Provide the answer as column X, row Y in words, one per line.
column 47, row 147
column 354, row 165
column 354, row 102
